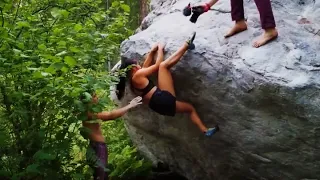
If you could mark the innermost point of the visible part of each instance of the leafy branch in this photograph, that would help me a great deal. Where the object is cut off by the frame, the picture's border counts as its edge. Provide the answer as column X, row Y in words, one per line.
column 2, row 17
column 42, row 9
column 16, row 15
column 94, row 22
column 19, row 33
column 46, row 63
column 6, row 100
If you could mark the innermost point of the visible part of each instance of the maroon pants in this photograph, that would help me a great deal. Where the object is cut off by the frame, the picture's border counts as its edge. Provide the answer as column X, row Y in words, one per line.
column 97, row 157
column 265, row 10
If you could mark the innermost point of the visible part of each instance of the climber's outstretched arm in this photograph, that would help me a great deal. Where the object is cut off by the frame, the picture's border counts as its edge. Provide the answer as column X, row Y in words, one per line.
column 114, row 114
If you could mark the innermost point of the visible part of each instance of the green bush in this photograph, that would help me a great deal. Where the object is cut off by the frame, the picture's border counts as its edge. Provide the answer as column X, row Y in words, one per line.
column 51, row 52
column 124, row 161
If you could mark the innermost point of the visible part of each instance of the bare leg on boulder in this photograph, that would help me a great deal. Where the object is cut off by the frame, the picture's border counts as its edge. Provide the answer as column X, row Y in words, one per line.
column 165, row 82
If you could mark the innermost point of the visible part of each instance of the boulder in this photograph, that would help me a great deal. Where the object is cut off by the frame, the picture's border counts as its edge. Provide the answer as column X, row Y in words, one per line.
column 266, row 100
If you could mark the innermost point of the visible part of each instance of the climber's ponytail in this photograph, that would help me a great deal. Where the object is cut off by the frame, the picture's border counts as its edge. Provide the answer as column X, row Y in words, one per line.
column 122, row 83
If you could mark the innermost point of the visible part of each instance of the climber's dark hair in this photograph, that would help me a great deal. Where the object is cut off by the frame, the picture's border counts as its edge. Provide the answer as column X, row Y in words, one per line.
column 122, row 83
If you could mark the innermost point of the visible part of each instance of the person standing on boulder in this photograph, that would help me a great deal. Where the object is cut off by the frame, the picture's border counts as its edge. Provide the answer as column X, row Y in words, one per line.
column 161, row 99
column 97, row 153
column 237, row 15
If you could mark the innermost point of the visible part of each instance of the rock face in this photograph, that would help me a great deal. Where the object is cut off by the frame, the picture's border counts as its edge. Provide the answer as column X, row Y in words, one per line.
column 266, row 100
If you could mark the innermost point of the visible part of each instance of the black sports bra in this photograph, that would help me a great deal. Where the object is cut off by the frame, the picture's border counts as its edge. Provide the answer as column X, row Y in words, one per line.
column 146, row 89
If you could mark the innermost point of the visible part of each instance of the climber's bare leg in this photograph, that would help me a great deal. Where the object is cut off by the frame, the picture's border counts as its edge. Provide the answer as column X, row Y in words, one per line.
column 183, row 107
column 149, row 59
column 165, row 81
column 237, row 28
column 174, row 58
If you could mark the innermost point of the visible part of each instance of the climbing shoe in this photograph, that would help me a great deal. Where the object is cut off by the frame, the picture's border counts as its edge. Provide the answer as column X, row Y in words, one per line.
column 212, row 131
column 187, row 10
column 190, row 41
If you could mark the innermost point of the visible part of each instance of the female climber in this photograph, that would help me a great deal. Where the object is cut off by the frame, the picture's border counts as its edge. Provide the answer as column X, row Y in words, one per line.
column 161, row 98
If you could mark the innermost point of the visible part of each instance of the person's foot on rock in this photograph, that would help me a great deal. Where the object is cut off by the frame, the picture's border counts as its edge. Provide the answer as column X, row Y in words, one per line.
column 237, row 28
column 267, row 36
column 190, row 41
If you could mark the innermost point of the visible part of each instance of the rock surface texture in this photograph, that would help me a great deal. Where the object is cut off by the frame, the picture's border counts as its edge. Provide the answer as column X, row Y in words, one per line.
column 266, row 100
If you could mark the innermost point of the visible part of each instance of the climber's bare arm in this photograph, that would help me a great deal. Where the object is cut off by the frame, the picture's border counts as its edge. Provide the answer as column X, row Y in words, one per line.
column 110, row 115
column 114, row 114
column 145, row 72
column 150, row 55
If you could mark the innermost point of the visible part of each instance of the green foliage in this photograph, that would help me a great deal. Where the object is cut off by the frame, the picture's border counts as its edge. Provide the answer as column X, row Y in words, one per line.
column 133, row 8
column 52, row 53
column 124, row 161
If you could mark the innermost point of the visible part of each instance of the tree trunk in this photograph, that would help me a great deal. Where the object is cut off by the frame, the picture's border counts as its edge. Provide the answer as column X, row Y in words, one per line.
column 143, row 9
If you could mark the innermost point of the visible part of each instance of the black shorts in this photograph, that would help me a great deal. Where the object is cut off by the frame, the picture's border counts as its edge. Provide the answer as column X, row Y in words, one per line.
column 163, row 102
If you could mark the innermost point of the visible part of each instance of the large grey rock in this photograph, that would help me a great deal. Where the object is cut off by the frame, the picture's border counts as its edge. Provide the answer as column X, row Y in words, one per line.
column 266, row 100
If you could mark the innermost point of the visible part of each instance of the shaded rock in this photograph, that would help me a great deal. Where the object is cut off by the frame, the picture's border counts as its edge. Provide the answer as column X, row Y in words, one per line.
column 266, row 100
